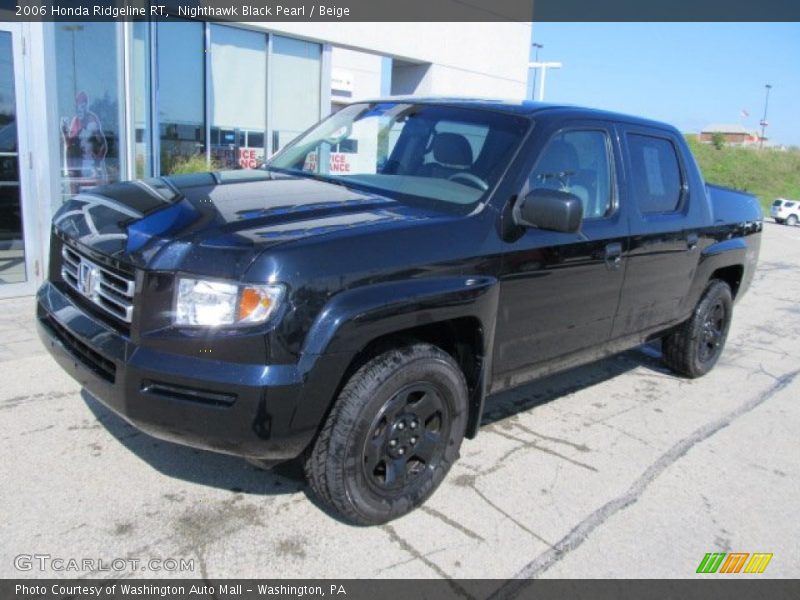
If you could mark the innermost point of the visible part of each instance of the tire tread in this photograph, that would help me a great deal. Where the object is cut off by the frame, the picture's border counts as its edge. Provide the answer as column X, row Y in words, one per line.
column 322, row 467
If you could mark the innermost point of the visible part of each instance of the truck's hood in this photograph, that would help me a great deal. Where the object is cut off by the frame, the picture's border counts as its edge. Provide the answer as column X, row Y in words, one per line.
column 157, row 223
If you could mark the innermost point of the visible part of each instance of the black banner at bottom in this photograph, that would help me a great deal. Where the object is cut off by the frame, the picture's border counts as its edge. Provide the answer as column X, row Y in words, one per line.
column 728, row 588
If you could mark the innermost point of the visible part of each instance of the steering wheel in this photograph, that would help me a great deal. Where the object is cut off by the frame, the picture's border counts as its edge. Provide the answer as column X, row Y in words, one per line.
column 473, row 179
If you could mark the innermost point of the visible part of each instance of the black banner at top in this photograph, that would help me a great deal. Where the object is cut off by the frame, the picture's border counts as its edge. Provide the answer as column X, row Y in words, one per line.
column 400, row 10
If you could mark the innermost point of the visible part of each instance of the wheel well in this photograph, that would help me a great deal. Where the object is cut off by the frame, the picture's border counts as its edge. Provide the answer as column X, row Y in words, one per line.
column 461, row 338
column 731, row 275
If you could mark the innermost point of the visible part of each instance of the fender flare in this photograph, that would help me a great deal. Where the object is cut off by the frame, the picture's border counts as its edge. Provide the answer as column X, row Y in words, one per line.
column 726, row 253
column 356, row 317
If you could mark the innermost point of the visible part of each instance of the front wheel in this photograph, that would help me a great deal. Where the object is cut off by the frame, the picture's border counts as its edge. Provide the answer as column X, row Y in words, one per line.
column 392, row 435
column 693, row 348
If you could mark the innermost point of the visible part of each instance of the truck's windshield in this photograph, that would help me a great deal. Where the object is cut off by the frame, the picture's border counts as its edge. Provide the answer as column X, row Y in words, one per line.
column 438, row 152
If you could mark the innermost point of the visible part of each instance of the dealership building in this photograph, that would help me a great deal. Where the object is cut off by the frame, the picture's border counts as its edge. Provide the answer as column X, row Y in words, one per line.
column 87, row 103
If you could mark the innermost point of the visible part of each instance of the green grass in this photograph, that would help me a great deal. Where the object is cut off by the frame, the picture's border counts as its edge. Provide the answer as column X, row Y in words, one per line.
column 766, row 173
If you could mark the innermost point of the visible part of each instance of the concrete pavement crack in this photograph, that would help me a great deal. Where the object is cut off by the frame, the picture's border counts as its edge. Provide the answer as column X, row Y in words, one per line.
column 532, row 444
column 581, row 532
column 454, row 524
column 400, row 541
column 510, row 517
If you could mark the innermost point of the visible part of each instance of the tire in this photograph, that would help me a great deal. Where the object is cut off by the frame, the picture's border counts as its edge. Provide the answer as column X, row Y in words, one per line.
column 791, row 220
column 779, row 221
column 693, row 348
column 392, row 435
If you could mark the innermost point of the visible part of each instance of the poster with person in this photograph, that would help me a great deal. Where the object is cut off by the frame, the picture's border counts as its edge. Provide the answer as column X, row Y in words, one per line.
column 85, row 147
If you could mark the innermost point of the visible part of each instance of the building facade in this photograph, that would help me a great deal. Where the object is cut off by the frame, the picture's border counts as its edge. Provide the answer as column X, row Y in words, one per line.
column 733, row 134
column 87, row 103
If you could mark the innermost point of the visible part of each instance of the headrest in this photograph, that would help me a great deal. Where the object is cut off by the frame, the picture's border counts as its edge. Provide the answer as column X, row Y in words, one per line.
column 452, row 149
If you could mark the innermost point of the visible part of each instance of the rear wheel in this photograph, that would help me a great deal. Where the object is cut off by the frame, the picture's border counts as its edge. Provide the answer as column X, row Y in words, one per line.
column 392, row 435
column 693, row 348
column 792, row 220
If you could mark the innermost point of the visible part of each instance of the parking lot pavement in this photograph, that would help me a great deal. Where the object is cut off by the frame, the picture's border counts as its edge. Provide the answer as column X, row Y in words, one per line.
column 617, row 469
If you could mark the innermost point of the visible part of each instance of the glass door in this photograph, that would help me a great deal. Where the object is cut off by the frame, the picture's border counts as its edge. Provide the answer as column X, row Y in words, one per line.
column 19, row 264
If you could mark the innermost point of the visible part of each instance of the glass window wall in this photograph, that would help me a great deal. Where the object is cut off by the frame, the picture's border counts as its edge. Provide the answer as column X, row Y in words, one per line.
column 192, row 94
column 181, row 95
column 88, row 86
column 238, row 97
column 295, row 95
column 12, row 241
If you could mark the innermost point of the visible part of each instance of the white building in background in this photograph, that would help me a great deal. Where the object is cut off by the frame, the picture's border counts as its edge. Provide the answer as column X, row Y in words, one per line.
column 86, row 103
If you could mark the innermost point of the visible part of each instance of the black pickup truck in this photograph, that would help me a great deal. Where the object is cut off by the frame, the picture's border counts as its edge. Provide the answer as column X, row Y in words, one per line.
column 354, row 302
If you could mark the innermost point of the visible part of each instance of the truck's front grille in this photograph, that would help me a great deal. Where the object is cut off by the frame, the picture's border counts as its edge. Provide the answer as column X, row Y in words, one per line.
column 110, row 290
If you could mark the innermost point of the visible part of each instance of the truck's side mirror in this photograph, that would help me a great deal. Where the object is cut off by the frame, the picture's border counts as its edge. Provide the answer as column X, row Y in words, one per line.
column 550, row 209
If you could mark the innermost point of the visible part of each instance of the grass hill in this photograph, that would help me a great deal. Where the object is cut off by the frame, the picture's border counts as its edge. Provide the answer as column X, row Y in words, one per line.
column 767, row 173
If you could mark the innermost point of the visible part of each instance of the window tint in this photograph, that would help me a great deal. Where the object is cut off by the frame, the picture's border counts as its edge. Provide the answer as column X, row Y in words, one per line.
column 655, row 174
column 577, row 162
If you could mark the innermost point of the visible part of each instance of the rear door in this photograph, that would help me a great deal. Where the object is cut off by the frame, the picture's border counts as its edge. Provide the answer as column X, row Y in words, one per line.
column 559, row 291
column 663, row 254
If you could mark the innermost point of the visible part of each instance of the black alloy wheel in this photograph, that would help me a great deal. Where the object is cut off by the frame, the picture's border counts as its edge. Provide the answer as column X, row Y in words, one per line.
column 392, row 435
column 713, row 330
column 694, row 347
column 407, row 437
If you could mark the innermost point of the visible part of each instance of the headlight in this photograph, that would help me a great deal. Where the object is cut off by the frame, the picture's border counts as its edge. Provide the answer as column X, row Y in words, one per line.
column 207, row 303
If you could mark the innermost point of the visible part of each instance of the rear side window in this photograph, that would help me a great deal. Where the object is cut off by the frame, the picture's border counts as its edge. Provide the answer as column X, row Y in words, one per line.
column 656, row 174
column 788, row 204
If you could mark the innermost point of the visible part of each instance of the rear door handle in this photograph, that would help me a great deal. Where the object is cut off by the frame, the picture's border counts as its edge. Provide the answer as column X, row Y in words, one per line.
column 613, row 255
column 691, row 241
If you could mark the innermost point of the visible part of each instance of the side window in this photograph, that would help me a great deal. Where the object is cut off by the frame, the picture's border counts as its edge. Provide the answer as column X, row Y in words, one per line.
column 577, row 162
column 656, row 174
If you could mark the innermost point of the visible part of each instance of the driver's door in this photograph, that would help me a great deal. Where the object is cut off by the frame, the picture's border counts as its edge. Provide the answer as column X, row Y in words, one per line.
column 560, row 291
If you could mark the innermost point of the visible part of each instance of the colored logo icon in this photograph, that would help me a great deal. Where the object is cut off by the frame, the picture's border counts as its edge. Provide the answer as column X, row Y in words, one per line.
column 734, row 562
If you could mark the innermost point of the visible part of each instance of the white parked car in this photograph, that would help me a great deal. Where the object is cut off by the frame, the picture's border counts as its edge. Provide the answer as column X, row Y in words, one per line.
column 786, row 211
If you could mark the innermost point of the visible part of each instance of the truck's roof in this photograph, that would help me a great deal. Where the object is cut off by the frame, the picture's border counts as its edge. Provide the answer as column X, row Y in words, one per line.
column 523, row 107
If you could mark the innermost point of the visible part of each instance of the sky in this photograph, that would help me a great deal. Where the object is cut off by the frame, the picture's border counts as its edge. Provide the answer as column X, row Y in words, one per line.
column 687, row 74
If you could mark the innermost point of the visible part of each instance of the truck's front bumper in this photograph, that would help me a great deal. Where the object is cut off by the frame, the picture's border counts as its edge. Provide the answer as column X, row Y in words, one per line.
column 242, row 409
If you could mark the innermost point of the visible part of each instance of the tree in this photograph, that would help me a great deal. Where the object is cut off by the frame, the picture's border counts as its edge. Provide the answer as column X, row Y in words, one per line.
column 717, row 140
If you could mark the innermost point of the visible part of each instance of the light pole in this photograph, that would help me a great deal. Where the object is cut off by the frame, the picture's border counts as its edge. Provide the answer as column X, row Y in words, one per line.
column 535, row 72
column 544, row 66
column 764, row 120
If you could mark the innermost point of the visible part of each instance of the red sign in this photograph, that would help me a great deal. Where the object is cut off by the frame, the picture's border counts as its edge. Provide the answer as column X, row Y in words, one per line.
column 248, row 158
column 339, row 163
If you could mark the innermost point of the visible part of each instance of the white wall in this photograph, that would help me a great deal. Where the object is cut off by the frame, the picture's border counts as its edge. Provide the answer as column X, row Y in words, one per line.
column 485, row 59
column 365, row 69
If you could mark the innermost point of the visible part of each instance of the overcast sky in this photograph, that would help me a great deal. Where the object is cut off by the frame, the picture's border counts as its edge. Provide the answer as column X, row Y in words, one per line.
column 688, row 74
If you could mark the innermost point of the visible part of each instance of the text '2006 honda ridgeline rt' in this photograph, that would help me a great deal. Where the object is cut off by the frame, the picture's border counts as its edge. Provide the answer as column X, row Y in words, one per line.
column 354, row 302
